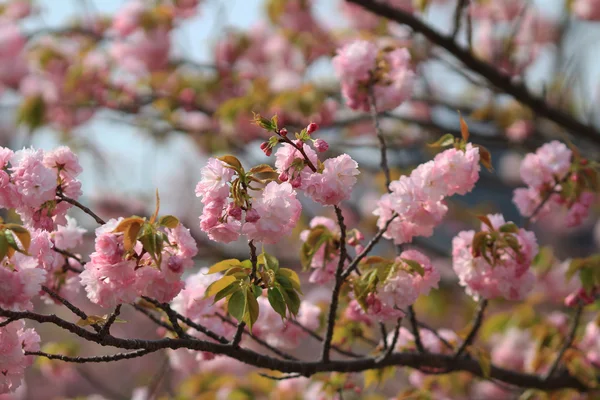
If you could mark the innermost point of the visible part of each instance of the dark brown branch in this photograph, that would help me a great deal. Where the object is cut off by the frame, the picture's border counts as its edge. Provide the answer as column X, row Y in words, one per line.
column 75, row 310
column 354, row 264
column 308, row 368
column 414, row 325
column 390, row 347
column 96, row 359
column 319, row 338
column 568, row 342
column 458, row 12
column 83, row 208
column 258, row 340
column 335, row 294
column 504, row 82
column 476, row 325
column 68, row 254
column 111, row 320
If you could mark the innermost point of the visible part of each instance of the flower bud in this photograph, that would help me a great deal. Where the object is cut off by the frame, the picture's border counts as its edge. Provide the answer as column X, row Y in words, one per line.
column 321, row 145
column 283, row 132
column 283, row 177
column 311, row 128
column 264, row 146
column 234, row 211
column 252, row 215
column 296, row 182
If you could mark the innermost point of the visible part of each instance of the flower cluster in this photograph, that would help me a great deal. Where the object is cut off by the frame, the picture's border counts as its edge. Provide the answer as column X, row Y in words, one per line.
column 556, row 179
column 418, row 199
column 116, row 275
column 267, row 216
column 30, row 181
column 400, row 284
column 363, row 68
column 15, row 340
column 495, row 262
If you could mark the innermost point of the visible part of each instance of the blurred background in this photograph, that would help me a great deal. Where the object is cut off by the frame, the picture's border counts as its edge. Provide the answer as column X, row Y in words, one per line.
column 146, row 114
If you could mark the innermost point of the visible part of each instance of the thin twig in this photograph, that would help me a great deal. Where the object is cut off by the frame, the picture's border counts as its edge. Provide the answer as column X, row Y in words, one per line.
column 476, row 325
column 319, row 338
column 75, row 310
column 83, row 208
column 392, row 346
column 383, row 331
column 414, row 325
column 568, row 342
column 111, row 320
column 354, row 264
column 258, row 340
column 339, row 281
column 96, row 359
column 458, row 11
column 382, row 145
column 280, row 378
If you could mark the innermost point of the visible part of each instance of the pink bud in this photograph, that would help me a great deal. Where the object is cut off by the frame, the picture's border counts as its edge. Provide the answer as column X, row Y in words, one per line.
column 187, row 95
column 283, row 132
column 283, row 177
column 234, row 211
column 264, row 146
column 311, row 128
column 296, row 182
column 252, row 215
column 321, row 145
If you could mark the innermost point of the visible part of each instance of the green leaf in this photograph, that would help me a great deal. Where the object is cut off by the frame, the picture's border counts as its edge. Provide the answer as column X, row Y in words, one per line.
column 168, row 221
column 22, row 234
column 509, row 227
column 292, row 300
column 124, row 224
column 219, row 285
column 3, row 246
column 276, row 300
column 12, row 243
column 444, row 141
column 233, row 287
column 223, row 265
column 246, row 264
column 587, row 279
column 269, row 261
column 252, row 310
column 415, row 266
column 236, row 306
column 257, row 290
column 292, row 276
column 150, row 245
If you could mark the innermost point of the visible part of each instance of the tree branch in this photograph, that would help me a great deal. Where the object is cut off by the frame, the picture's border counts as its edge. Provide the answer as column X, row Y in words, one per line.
column 97, row 359
column 568, row 342
column 476, row 325
column 335, row 294
column 504, row 82
column 83, row 208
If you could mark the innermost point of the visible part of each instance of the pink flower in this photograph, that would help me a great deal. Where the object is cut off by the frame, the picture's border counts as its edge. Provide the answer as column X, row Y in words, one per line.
column 183, row 241
column 321, row 145
column 510, row 277
column 15, row 340
column 68, row 236
column 360, row 65
column 586, row 9
column 430, row 278
column 35, row 183
column 12, row 44
column 550, row 162
column 511, row 348
column 279, row 211
column 127, row 19
column 143, row 51
column 64, row 161
column 335, row 183
column 457, row 169
column 20, row 281
column 215, row 181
